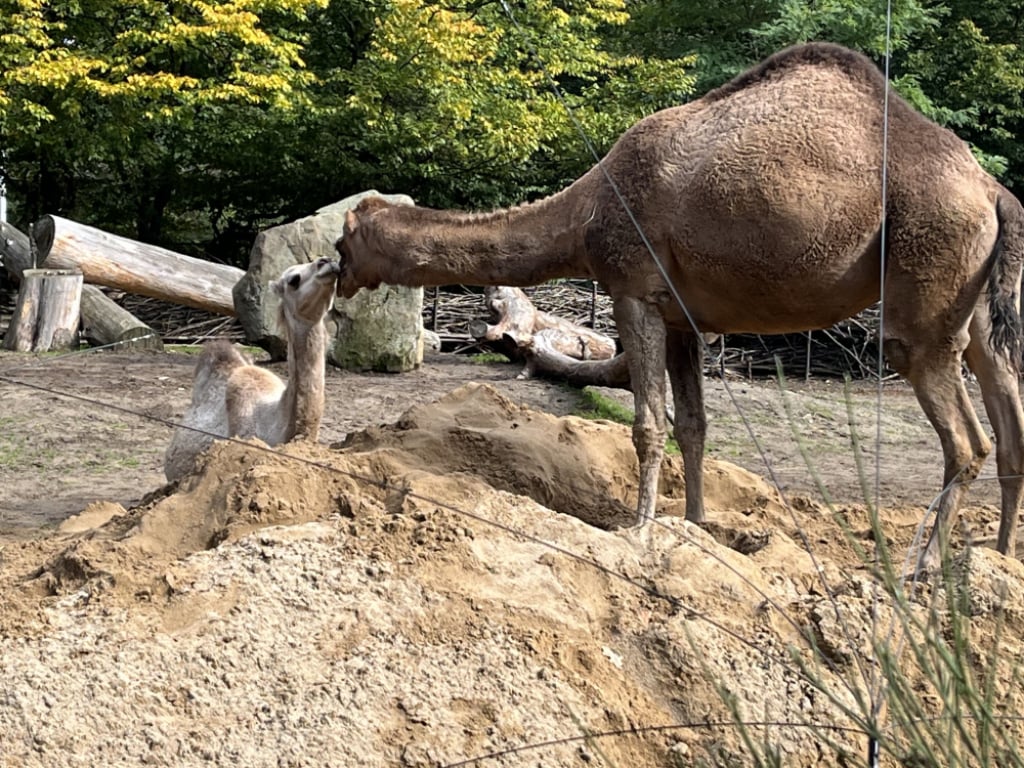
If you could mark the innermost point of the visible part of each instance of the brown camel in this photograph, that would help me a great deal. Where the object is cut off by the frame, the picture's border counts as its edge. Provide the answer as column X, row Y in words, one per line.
column 232, row 397
column 760, row 208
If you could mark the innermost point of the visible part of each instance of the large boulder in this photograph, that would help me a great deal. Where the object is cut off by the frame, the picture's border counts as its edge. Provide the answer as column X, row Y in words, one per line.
column 378, row 330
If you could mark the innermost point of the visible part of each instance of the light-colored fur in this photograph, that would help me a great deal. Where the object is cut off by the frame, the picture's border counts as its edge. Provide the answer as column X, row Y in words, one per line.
column 762, row 202
column 232, row 397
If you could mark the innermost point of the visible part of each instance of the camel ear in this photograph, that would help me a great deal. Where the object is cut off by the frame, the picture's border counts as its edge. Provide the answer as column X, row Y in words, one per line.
column 277, row 287
column 351, row 221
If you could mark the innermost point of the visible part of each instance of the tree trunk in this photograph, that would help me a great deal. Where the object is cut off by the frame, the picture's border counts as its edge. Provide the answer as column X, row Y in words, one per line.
column 146, row 270
column 552, row 346
column 46, row 317
column 106, row 324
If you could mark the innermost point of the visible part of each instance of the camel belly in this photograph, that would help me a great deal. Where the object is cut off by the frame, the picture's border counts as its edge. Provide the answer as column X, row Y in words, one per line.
column 750, row 303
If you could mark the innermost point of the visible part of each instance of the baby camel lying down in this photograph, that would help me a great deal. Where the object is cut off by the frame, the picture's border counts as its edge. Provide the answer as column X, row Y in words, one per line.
column 232, row 397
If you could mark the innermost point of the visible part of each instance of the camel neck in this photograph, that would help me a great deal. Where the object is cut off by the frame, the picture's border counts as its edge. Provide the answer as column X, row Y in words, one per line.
column 526, row 245
column 304, row 391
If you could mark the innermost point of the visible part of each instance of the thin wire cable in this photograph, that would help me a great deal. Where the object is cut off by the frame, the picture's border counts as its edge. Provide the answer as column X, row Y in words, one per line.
column 677, row 297
column 877, row 684
column 643, row 730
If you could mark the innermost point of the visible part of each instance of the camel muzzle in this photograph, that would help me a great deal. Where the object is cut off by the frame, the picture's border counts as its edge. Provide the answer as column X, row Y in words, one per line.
column 342, row 267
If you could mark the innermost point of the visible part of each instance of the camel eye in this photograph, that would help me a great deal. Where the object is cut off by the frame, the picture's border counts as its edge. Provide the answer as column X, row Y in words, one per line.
column 294, row 280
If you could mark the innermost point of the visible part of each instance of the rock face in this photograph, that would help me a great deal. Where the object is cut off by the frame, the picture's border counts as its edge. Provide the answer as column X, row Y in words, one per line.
column 378, row 330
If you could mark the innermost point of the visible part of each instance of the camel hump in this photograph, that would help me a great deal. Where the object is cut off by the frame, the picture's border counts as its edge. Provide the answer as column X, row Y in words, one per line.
column 218, row 359
column 853, row 64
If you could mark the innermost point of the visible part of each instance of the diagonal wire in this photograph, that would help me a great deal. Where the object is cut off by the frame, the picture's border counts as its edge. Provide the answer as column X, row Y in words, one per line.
column 878, row 684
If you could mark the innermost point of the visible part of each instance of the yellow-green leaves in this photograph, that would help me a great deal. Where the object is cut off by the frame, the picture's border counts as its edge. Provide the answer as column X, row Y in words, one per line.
column 150, row 57
column 461, row 93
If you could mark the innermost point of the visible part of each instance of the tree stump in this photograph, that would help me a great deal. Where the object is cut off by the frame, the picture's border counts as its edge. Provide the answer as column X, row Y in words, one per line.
column 46, row 317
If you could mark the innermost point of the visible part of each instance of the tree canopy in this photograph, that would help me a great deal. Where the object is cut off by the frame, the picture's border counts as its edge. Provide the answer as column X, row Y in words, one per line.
column 195, row 123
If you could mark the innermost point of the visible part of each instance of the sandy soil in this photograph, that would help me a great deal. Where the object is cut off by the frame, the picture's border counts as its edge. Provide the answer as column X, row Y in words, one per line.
column 443, row 578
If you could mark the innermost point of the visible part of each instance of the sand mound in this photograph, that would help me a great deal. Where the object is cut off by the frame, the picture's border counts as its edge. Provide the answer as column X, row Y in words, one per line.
column 350, row 606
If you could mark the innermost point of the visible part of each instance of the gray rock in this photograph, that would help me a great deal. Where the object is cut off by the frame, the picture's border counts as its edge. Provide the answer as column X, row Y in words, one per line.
column 376, row 330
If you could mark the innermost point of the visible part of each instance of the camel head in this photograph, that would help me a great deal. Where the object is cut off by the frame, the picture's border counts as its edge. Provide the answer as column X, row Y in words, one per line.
column 307, row 290
column 355, row 254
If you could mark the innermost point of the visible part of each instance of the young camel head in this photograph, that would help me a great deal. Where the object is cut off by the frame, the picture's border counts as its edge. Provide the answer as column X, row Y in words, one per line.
column 359, row 265
column 306, row 291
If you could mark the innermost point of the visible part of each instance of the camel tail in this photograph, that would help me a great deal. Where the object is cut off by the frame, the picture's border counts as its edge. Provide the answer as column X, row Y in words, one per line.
column 1004, row 279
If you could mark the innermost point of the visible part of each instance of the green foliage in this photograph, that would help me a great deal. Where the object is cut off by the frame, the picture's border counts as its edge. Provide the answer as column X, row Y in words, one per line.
column 489, row 358
column 103, row 102
column 455, row 106
column 194, row 124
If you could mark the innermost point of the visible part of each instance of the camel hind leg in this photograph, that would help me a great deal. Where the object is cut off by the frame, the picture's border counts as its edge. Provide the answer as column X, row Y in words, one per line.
column 938, row 383
column 997, row 372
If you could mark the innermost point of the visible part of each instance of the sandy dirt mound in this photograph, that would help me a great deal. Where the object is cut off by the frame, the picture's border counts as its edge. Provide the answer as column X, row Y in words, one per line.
column 451, row 586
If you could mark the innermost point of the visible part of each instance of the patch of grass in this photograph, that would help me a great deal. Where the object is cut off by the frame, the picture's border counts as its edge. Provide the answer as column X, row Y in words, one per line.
column 195, row 349
column 485, row 358
column 594, row 405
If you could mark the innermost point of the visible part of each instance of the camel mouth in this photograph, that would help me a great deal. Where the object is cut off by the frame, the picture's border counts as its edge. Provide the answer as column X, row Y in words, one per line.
column 327, row 269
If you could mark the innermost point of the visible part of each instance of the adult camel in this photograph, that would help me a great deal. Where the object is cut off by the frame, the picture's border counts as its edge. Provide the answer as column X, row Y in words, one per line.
column 759, row 206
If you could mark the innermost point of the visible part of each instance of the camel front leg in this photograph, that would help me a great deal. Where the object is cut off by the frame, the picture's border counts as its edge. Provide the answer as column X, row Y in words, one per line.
column 685, row 353
column 642, row 332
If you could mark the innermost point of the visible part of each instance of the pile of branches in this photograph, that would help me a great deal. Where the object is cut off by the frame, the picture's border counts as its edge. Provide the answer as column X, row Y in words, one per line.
column 179, row 324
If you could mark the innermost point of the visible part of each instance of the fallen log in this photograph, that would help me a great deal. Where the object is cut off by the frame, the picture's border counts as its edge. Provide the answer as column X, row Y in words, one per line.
column 518, row 323
column 106, row 324
column 47, row 313
column 139, row 268
column 15, row 251
column 545, row 360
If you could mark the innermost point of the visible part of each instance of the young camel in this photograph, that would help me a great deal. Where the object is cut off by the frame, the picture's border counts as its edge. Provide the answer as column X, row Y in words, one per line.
column 760, row 209
column 231, row 397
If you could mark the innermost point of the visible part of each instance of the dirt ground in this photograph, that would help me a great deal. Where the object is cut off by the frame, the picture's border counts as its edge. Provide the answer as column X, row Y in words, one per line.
column 449, row 576
column 94, row 426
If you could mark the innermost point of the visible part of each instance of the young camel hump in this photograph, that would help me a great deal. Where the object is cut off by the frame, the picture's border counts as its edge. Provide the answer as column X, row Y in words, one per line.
column 763, row 200
column 253, row 398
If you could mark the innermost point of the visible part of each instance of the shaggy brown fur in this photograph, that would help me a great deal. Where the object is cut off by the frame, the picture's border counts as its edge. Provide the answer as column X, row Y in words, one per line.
column 762, row 204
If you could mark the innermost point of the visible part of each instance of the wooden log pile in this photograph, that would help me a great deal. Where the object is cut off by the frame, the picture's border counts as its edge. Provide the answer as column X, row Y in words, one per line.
column 110, row 266
column 134, row 267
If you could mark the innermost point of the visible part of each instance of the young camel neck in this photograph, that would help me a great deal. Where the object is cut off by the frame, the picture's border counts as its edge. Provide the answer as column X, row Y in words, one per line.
column 303, row 398
column 521, row 246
